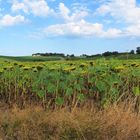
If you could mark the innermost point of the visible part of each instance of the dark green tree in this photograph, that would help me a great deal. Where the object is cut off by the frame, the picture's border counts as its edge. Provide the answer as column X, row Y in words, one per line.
column 132, row 52
column 138, row 50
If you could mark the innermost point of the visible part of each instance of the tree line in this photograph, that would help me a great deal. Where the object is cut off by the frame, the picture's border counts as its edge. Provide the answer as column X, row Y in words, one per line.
column 107, row 53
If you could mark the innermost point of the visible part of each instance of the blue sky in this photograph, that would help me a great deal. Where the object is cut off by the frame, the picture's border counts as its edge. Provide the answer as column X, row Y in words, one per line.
column 68, row 26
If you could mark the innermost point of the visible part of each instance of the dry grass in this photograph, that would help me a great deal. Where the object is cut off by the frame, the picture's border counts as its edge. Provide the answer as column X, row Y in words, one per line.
column 117, row 122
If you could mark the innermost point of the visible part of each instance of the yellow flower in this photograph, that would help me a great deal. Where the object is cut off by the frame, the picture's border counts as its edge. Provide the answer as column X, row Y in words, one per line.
column 119, row 68
column 26, row 68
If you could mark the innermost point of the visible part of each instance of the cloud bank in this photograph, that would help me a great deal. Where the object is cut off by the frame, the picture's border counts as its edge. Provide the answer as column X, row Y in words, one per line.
column 76, row 21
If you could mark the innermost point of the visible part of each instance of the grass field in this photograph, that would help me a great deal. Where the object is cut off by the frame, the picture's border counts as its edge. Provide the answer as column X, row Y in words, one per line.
column 89, row 99
column 31, row 58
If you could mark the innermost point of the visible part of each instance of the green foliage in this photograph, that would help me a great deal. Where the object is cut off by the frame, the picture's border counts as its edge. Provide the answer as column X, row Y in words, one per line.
column 69, row 91
column 59, row 101
column 136, row 91
column 41, row 93
column 65, row 82
column 81, row 97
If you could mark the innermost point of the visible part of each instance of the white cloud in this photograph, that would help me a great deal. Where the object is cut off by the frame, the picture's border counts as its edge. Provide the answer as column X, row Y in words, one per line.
column 9, row 20
column 70, row 16
column 19, row 6
column 36, row 7
column 133, row 30
column 41, row 8
column 64, row 11
column 74, row 18
column 0, row 9
column 81, row 29
column 112, row 33
column 124, row 10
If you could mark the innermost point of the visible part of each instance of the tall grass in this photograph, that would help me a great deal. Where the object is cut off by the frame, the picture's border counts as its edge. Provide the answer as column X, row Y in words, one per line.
column 117, row 122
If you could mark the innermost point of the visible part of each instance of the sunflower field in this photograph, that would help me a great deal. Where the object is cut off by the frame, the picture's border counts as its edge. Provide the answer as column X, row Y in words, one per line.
column 70, row 83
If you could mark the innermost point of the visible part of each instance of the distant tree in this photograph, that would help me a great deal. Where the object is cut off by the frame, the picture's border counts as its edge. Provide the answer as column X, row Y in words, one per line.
column 107, row 53
column 123, row 53
column 132, row 52
column 72, row 55
column 95, row 55
column 84, row 55
column 115, row 53
column 49, row 54
column 138, row 50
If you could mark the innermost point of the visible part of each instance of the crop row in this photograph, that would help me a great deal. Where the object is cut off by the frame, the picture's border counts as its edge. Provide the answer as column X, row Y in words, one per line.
column 69, row 83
